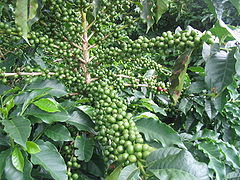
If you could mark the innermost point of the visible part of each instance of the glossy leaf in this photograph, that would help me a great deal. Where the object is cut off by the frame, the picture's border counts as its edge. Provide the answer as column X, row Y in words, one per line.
column 51, row 160
column 231, row 153
column 213, row 152
column 57, row 89
column 21, row 16
column 237, row 65
column 81, row 121
column 236, row 4
column 130, row 172
column 3, row 158
column 32, row 147
column 210, row 109
column 115, row 174
column 58, row 132
column 179, row 74
column 162, row 153
column 96, row 6
column 183, row 161
column 173, row 174
column 161, row 8
column 220, row 68
column 147, row 13
column 19, row 129
column 47, row 117
column 84, row 147
column 156, row 130
column 17, row 159
column 12, row 173
column 47, row 104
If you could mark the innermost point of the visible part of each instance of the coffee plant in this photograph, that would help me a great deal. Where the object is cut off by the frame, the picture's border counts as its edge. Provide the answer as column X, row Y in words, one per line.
column 94, row 89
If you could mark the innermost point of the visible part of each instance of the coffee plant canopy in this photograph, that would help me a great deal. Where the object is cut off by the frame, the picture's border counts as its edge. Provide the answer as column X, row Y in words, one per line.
column 119, row 90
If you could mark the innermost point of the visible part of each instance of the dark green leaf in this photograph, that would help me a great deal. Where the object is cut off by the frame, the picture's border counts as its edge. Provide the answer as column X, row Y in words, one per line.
column 130, row 172
column 51, row 160
column 32, row 147
column 21, row 16
column 237, row 65
column 58, row 132
column 231, row 154
column 96, row 6
column 46, row 117
column 12, row 173
column 220, row 101
column 185, row 105
column 33, row 6
column 81, row 121
column 183, row 161
column 161, row 8
column 17, row 159
column 220, row 68
column 147, row 13
column 84, row 147
column 236, row 4
column 3, row 88
column 178, row 75
column 162, row 153
column 115, row 174
column 57, row 89
column 173, row 174
column 213, row 152
column 3, row 157
column 47, row 104
column 156, row 130
column 197, row 87
column 19, row 129
column 210, row 109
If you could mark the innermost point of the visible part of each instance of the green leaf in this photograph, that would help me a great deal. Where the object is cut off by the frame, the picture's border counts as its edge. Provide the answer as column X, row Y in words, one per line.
column 236, row 4
column 231, row 154
column 173, row 174
column 162, row 153
column 161, row 8
column 152, row 106
column 210, row 109
column 47, row 104
column 32, row 147
column 130, row 172
column 197, row 87
column 115, row 174
column 57, row 89
column 213, row 152
column 147, row 13
column 84, row 147
column 81, row 121
column 178, row 75
column 33, row 6
column 12, row 173
column 18, row 128
column 185, row 105
column 220, row 68
column 220, row 101
column 156, row 130
column 3, row 158
column 34, row 95
column 47, row 117
column 21, row 16
column 183, row 161
column 17, row 159
column 96, row 6
column 58, row 132
column 51, row 160
column 237, row 65
column 1, row 9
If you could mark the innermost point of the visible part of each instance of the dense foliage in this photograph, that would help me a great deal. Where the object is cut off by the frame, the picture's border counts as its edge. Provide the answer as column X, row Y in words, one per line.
column 116, row 90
